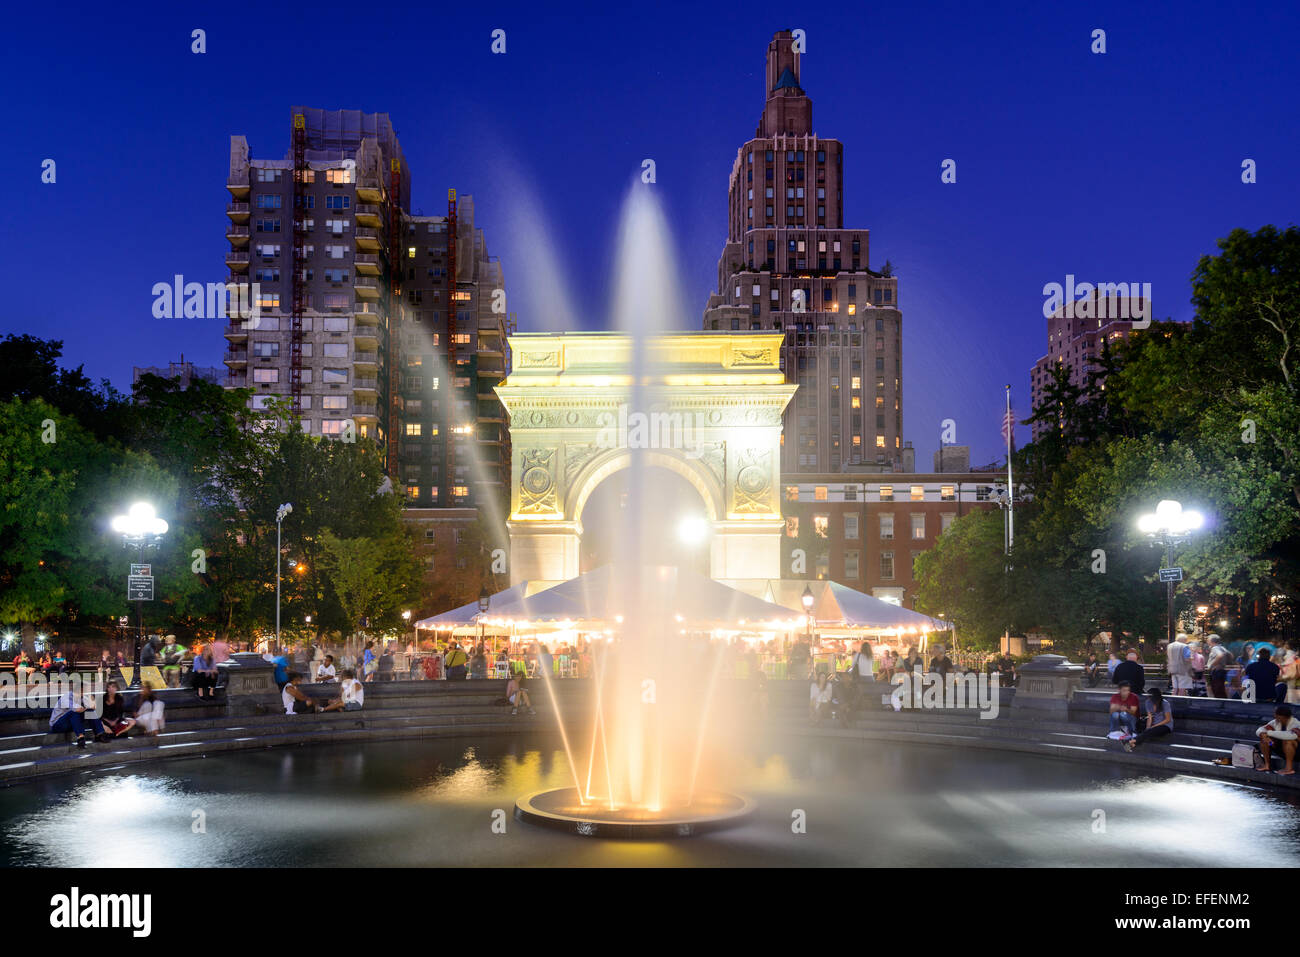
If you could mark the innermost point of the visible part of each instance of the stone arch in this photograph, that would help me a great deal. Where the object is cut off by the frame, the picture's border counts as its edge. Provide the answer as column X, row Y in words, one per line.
column 611, row 461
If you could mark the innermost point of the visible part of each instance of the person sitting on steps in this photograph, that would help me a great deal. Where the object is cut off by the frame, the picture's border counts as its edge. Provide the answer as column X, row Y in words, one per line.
column 517, row 695
column 296, row 701
column 352, row 694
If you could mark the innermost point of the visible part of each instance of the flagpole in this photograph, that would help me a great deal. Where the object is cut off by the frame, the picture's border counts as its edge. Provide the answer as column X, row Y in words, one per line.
column 1009, row 533
column 1011, row 493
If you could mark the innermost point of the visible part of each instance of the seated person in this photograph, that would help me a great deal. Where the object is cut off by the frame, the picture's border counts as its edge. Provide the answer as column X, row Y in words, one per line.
column 325, row 670
column 1123, row 711
column 149, row 711
column 116, row 721
column 819, row 700
column 66, row 716
column 1263, row 672
column 517, row 695
column 352, row 694
column 1284, row 729
column 1159, row 720
column 296, row 701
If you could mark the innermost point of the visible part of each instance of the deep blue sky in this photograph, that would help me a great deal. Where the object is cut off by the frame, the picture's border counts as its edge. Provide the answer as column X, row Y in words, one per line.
column 1121, row 167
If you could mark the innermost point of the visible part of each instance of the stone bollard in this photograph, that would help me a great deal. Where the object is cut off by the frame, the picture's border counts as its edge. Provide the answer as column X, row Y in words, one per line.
column 249, row 680
column 1047, row 683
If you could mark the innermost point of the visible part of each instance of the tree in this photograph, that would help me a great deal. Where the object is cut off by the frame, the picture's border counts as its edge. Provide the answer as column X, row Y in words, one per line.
column 371, row 581
column 963, row 578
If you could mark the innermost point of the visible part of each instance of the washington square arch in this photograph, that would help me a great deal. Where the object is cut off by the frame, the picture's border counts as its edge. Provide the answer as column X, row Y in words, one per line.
column 707, row 407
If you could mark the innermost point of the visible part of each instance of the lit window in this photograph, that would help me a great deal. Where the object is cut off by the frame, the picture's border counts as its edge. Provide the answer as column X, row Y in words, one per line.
column 886, row 493
column 918, row 493
column 819, row 493
column 947, row 493
column 821, row 525
column 413, row 428
column 792, row 493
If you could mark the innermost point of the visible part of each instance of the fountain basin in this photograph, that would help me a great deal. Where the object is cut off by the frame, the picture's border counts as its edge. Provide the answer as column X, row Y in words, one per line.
column 560, row 809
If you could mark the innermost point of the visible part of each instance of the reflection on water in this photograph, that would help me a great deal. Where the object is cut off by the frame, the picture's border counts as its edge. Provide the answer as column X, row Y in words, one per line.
column 432, row 803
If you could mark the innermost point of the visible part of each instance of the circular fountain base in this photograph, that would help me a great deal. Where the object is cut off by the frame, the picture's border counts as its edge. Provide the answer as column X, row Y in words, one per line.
column 561, row 810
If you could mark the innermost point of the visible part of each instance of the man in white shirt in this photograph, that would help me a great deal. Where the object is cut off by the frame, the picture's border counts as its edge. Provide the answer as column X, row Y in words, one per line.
column 1283, row 729
column 1179, row 659
column 325, row 670
column 352, row 694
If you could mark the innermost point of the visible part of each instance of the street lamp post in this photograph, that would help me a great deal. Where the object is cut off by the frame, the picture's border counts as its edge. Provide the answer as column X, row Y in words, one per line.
column 140, row 528
column 280, row 513
column 807, row 599
column 1169, row 525
column 484, row 602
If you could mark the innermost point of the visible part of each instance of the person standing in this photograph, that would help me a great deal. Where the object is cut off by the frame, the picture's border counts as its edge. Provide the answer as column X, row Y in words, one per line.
column 369, row 663
column 1178, row 659
column 1217, row 663
column 455, row 662
column 1264, row 674
column 1130, row 672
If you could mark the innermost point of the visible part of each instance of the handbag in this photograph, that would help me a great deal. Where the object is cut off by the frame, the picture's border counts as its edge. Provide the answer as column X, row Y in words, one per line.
column 1243, row 755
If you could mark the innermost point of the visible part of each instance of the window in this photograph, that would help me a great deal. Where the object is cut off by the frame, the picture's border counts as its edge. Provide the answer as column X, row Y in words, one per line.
column 336, row 350
column 819, row 493
column 821, row 525
column 918, row 525
column 266, row 350
column 851, row 527
column 333, row 426
column 413, row 428
column 269, row 200
column 886, row 526
column 268, row 175
column 851, row 564
column 335, row 375
column 792, row 493
column 792, row 526
column 334, row 402
column 266, row 375
column 886, row 493
column 918, row 493
column 268, row 225
column 337, row 176
column 945, row 519
column 338, row 202
column 887, row 566
column 947, row 493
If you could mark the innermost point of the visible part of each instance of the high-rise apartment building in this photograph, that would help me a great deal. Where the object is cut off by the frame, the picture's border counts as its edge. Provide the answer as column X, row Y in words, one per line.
column 790, row 264
column 1076, row 333
column 372, row 323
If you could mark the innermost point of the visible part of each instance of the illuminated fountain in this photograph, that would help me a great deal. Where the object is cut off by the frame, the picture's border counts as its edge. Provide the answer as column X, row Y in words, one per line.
column 641, row 768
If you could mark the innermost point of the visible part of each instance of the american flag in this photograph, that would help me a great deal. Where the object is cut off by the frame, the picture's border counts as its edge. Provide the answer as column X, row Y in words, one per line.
column 1008, row 427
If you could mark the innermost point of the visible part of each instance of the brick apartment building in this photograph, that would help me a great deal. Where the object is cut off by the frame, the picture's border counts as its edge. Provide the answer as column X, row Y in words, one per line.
column 866, row 532
column 790, row 264
column 390, row 343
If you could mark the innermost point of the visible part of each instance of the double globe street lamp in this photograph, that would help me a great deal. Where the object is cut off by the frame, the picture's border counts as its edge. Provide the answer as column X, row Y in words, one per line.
column 1169, row 525
column 140, row 528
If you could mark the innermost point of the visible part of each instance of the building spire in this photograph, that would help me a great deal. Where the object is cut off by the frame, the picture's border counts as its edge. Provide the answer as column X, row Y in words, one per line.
column 787, row 110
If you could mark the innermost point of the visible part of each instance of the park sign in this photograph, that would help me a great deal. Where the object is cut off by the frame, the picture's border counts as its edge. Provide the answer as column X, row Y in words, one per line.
column 141, row 569
column 1174, row 574
column 139, row 588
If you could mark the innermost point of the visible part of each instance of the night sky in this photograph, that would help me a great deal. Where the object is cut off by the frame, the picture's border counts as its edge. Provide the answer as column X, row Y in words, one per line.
column 1117, row 167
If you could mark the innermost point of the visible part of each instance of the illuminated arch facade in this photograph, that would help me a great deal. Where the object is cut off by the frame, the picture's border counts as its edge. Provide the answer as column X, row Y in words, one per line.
column 711, row 412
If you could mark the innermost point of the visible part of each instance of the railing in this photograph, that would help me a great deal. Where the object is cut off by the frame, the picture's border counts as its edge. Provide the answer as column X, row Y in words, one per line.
column 366, row 233
column 370, row 358
column 365, row 209
column 370, row 384
column 237, row 208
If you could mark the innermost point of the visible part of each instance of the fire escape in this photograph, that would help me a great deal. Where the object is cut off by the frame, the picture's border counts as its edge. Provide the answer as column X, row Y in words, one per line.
column 299, row 260
column 451, row 343
column 394, row 311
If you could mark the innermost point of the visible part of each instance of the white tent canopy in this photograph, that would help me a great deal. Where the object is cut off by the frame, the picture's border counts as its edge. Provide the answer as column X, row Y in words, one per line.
column 468, row 614
column 607, row 594
column 839, row 606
